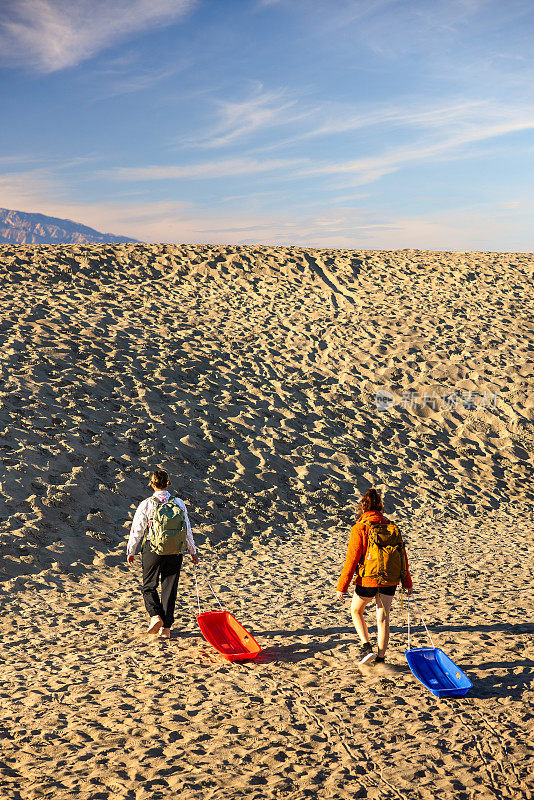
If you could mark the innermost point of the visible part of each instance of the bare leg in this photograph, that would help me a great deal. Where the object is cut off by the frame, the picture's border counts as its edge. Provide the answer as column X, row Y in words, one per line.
column 382, row 621
column 357, row 607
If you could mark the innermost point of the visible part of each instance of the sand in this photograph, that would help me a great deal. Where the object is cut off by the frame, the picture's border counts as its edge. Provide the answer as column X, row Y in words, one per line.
column 251, row 374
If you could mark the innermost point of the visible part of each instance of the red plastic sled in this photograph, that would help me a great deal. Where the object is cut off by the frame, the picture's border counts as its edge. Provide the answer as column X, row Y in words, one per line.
column 228, row 636
column 224, row 632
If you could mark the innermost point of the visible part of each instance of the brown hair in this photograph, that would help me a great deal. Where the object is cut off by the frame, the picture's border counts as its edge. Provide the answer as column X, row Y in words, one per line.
column 159, row 479
column 371, row 501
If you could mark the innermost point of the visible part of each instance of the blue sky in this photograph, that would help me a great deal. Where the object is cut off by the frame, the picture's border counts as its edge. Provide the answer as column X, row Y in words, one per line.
column 372, row 124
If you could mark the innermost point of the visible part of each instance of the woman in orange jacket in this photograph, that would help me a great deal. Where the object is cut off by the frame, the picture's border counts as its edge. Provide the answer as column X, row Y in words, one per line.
column 378, row 575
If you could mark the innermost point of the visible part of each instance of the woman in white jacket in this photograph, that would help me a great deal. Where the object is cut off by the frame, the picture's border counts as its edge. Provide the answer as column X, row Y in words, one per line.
column 158, row 567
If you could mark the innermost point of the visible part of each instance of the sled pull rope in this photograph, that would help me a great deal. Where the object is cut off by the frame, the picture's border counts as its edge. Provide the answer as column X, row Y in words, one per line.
column 422, row 620
column 209, row 584
column 408, row 620
column 198, row 601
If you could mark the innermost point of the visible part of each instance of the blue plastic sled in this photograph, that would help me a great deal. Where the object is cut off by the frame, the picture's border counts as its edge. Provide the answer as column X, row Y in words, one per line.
column 433, row 668
column 438, row 672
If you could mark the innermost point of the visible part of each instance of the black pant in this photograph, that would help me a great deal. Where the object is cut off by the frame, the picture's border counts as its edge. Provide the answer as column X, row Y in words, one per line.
column 168, row 569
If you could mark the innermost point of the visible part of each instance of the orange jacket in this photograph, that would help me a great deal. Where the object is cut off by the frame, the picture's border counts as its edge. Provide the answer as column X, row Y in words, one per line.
column 356, row 551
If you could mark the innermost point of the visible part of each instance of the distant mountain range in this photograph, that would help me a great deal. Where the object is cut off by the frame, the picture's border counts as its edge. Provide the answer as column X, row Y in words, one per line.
column 19, row 227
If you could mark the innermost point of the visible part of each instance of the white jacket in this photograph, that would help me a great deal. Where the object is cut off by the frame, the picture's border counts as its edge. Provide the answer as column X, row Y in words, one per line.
column 143, row 517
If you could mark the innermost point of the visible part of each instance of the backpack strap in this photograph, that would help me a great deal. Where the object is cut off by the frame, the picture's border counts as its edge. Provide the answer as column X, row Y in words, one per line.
column 366, row 528
column 158, row 502
column 150, row 521
column 403, row 563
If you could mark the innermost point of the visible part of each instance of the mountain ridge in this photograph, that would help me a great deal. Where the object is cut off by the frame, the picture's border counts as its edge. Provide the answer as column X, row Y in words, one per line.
column 22, row 227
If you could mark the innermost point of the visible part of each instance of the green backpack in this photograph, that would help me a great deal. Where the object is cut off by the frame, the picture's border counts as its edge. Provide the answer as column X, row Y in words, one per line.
column 167, row 532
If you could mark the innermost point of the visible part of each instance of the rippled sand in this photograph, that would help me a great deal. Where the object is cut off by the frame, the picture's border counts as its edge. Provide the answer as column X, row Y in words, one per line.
column 251, row 374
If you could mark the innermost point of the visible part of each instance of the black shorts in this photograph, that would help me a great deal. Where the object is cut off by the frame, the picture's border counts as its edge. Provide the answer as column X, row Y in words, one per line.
column 370, row 591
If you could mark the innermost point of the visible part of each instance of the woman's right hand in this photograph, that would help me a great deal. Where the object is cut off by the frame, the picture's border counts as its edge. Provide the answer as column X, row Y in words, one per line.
column 340, row 596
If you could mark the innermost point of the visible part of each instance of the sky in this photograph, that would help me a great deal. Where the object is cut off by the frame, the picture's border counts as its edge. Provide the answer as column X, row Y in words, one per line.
column 366, row 124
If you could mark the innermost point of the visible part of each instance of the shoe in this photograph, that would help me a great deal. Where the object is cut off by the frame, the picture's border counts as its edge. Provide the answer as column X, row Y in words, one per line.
column 165, row 633
column 155, row 625
column 380, row 660
column 366, row 653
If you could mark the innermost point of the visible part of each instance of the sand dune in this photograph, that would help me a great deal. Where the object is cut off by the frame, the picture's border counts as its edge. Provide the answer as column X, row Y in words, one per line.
column 251, row 374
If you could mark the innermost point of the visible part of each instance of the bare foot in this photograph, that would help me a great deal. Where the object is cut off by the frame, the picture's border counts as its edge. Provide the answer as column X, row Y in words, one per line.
column 155, row 625
column 165, row 633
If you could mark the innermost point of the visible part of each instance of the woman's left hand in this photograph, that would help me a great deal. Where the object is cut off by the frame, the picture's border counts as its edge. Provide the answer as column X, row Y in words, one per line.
column 340, row 596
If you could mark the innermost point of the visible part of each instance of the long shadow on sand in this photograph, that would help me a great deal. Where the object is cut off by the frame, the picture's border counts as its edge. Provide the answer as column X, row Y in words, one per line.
column 517, row 678
column 501, row 627
column 299, row 651
column 308, row 632
column 497, row 627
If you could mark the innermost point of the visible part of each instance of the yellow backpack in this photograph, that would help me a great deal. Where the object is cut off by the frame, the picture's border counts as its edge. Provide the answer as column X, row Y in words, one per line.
column 384, row 557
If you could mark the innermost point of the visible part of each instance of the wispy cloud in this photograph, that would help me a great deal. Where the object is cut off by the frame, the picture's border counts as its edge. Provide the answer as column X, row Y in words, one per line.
column 443, row 133
column 25, row 190
column 42, row 191
column 339, row 11
column 471, row 119
column 128, row 73
column 467, row 228
column 137, row 81
column 237, row 119
column 16, row 159
column 259, row 121
column 389, row 27
column 49, row 35
column 337, row 118
column 518, row 206
column 447, row 147
column 480, row 227
column 210, row 169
